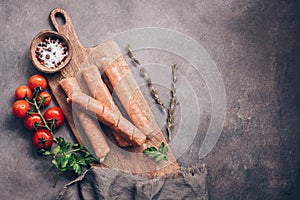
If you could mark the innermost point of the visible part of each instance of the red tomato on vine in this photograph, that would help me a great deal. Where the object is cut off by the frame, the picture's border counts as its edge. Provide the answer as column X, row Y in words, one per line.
column 42, row 139
column 20, row 108
column 37, row 80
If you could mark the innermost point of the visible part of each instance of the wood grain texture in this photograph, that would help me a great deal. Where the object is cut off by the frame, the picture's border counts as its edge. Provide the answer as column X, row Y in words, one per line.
column 108, row 54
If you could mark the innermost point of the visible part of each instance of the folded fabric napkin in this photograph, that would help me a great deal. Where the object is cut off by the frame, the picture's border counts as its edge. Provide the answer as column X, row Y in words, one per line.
column 98, row 183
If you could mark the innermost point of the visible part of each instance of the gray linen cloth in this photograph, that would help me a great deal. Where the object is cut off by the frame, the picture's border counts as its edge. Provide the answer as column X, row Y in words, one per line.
column 98, row 183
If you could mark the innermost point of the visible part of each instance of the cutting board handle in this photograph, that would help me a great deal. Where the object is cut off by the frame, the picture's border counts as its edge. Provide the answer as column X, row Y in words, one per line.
column 66, row 27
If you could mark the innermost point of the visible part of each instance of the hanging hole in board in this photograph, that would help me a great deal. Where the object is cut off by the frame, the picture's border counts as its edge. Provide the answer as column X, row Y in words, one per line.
column 60, row 18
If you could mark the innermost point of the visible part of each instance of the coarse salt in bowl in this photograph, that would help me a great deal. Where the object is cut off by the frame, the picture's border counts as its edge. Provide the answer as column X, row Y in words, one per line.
column 50, row 51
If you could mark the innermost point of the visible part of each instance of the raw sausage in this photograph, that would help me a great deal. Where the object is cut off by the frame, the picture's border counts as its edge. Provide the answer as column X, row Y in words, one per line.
column 107, row 116
column 100, row 92
column 90, row 126
column 125, row 86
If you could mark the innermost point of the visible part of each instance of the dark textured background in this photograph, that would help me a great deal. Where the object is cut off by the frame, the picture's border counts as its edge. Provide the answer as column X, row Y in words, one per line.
column 255, row 45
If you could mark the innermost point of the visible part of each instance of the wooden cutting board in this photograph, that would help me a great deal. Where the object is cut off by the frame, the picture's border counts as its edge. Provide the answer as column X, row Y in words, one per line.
column 131, row 160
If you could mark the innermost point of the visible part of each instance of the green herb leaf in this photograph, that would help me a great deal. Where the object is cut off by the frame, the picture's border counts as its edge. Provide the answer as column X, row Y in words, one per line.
column 92, row 159
column 81, row 161
column 63, row 161
column 45, row 152
column 72, row 159
column 163, row 149
column 55, row 163
column 56, row 150
column 60, row 141
column 158, row 155
column 77, row 168
column 75, row 146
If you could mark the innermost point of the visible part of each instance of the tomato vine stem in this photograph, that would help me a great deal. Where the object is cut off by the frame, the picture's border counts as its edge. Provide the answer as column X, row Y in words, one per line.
column 42, row 117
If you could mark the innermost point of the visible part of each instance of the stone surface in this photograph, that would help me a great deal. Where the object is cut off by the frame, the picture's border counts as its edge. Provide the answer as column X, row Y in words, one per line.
column 255, row 45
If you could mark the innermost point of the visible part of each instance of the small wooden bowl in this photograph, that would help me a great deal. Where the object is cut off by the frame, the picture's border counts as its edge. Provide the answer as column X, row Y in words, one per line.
column 36, row 41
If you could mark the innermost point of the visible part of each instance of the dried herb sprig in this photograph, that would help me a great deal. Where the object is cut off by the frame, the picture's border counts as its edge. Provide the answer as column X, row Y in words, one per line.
column 145, row 75
column 173, row 102
column 132, row 55
column 158, row 154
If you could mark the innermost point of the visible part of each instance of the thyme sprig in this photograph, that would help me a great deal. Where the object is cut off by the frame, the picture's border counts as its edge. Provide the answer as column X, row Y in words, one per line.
column 173, row 102
column 145, row 75
column 154, row 92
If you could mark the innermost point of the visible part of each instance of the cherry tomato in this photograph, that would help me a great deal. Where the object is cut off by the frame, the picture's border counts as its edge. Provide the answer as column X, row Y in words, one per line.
column 22, row 92
column 37, row 80
column 31, row 122
column 42, row 139
column 20, row 108
column 44, row 98
column 54, row 113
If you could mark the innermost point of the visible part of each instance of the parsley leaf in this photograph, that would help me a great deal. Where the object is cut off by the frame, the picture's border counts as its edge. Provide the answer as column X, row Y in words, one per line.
column 69, row 157
column 158, row 154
